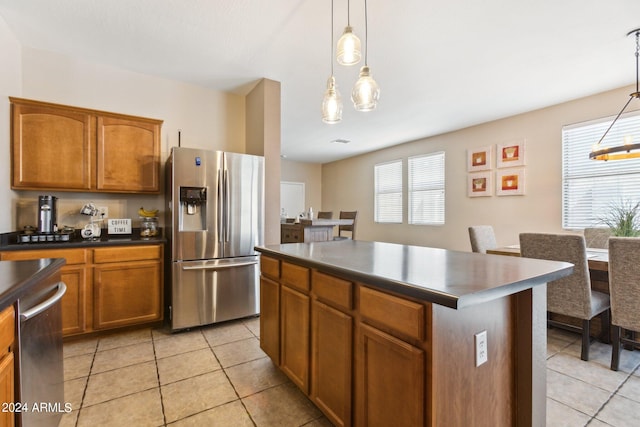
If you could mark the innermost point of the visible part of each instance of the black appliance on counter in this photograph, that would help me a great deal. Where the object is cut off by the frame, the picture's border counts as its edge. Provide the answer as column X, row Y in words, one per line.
column 47, row 214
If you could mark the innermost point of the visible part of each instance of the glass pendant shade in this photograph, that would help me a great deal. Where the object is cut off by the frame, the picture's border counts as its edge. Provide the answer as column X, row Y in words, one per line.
column 365, row 92
column 331, row 103
column 348, row 48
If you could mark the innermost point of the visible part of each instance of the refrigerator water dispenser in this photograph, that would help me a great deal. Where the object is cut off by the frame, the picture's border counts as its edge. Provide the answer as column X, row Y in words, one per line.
column 193, row 209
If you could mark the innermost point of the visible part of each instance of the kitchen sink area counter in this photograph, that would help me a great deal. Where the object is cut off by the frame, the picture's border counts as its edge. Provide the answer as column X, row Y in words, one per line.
column 394, row 334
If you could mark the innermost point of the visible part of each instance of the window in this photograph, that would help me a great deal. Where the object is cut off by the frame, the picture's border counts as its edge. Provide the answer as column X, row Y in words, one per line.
column 388, row 189
column 591, row 187
column 426, row 189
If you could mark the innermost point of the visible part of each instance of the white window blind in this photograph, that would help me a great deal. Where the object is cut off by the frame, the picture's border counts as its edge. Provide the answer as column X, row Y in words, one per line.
column 426, row 189
column 388, row 189
column 591, row 187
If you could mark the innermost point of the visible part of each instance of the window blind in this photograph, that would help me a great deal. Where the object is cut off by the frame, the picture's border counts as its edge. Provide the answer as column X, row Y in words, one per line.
column 388, row 192
column 426, row 189
column 590, row 188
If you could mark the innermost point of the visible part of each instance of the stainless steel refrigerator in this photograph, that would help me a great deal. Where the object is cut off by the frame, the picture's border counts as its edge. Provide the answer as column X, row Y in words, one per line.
column 215, row 219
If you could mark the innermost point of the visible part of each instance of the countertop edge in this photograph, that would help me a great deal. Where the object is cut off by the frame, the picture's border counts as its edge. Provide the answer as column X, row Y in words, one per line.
column 430, row 295
column 11, row 295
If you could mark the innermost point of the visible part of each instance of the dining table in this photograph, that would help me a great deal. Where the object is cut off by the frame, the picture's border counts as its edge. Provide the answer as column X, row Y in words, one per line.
column 310, row 230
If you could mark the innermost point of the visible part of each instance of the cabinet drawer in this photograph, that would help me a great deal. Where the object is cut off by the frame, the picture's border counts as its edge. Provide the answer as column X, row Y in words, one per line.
column 72, row 256
column 295, row 276
column 332, row 290
column 270, row 267
column 131, row 253
column 7, row 329
column 397, row 314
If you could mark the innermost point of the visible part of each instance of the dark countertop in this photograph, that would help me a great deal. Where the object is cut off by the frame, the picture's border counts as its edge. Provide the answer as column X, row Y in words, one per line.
column 449, row 278
column 18, row 277
column 8, row 241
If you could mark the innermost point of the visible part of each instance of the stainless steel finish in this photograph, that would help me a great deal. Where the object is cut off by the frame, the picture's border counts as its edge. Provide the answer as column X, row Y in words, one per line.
column 214, row 264
column 45, row 305
column 41, row 370
column 47, row 212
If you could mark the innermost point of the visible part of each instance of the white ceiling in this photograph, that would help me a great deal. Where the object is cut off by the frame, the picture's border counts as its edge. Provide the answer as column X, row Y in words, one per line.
column 441, row 65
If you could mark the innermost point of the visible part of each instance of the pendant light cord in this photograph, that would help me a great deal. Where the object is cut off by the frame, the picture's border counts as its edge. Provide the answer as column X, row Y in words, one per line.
column 331, row 38
column 366, row 34
column 348, row 13
column 637, row 54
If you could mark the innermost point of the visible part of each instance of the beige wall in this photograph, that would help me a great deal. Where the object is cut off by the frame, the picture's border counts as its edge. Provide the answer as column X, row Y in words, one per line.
column 348, row 184
column 207, row 118
column 10, row 85
column 311, row 175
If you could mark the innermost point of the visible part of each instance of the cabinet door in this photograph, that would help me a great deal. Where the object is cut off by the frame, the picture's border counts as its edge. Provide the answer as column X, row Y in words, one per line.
column 6, row 388
column 270, row 318
column 51, row 148
column 294, row 344
column 74, row 301
column 126, row 293
column 390, row 388
column 331, row 349
column 128, row 155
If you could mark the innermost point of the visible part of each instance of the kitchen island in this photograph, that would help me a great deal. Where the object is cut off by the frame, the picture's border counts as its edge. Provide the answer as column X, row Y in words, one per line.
column 386, row 334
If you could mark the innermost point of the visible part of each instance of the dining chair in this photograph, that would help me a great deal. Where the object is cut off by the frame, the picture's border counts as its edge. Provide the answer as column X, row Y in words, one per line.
column 348, row 228
column 572, row 295
column 482, row 238
column 597, row 237
column 624, row 287
column 325, row 215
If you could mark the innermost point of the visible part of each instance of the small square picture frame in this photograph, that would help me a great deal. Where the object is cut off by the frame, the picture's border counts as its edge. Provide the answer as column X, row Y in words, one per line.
column 510, row 182
column 479, row 159
column 510, row 154
column 479, row 184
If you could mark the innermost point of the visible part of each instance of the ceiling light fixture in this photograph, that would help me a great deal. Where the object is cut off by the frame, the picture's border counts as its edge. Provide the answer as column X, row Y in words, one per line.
column 366, row 91
column 332, row 101
column 349, row 44
column 627, row 150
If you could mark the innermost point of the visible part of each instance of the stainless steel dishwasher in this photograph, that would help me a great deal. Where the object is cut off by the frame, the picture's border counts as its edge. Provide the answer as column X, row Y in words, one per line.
column 41, row 370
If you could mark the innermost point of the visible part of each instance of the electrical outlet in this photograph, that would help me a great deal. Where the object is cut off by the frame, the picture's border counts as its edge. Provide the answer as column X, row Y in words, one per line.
column 482, row 352
column 103, row 212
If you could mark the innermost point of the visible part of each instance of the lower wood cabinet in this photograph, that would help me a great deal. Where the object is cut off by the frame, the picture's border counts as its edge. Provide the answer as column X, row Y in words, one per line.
column 294, row 336
column 107, row 287
column 7, row 370
column 270, row 318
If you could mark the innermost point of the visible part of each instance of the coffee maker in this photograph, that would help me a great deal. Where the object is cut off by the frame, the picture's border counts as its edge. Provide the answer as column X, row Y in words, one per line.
column 47, row 214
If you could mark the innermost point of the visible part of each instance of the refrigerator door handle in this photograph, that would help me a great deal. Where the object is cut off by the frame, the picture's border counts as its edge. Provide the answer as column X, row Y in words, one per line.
column 227, row 205
column 220, row 200
column 220, row 266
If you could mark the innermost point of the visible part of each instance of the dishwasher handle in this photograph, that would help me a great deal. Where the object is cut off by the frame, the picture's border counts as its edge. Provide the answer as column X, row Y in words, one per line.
column 34, row 311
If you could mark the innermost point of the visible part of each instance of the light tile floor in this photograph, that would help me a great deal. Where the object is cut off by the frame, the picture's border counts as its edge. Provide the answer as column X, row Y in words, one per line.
column 218, row 376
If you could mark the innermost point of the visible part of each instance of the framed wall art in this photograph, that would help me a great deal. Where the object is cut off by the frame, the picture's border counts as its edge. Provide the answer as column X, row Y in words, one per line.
column 510, row 154
column 479, row 159
column 510, row 182
column 479, row 184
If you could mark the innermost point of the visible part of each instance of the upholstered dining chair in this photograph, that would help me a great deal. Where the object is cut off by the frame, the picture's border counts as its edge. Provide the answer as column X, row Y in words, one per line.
column 482, row 238
column 597, row 237
column 572, row 295
column 624, row 287
column 325, row 215
column 348, row 228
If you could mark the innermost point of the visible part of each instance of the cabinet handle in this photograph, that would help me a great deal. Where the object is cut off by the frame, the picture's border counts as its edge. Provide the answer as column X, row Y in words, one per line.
column 34, row 311
column 220, row 267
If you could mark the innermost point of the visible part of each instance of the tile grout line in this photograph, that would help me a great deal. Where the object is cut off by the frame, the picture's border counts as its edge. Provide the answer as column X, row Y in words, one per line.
column 86, row 385
column 615, row 392
column 155, row 359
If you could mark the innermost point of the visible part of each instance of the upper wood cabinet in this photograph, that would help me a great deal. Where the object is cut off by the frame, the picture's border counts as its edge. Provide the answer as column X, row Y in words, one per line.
column 57, row 147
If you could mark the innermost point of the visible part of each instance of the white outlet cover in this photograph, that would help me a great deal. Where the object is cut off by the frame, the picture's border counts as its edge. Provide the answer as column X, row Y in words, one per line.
column 482, row 349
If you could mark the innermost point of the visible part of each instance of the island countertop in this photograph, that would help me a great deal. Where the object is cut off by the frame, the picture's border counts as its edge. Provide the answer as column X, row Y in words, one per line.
column 450, row 278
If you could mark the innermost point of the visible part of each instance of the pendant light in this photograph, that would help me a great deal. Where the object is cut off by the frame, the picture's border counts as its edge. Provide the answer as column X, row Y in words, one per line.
column 332, row 101
column 627, row 150
column 348, row 44
column 366, row 91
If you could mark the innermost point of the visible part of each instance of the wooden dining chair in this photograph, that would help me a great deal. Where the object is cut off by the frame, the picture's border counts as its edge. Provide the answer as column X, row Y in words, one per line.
column 624, row 287
column 572, row 295
column 351, row 229
column 597, row 237
column 325, row 215
column 482, row 238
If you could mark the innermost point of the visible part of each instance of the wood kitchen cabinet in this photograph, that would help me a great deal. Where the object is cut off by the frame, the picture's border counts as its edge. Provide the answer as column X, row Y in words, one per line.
column 7, row 369
column 107, row 287
column 58, row 147
column 127, row 286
